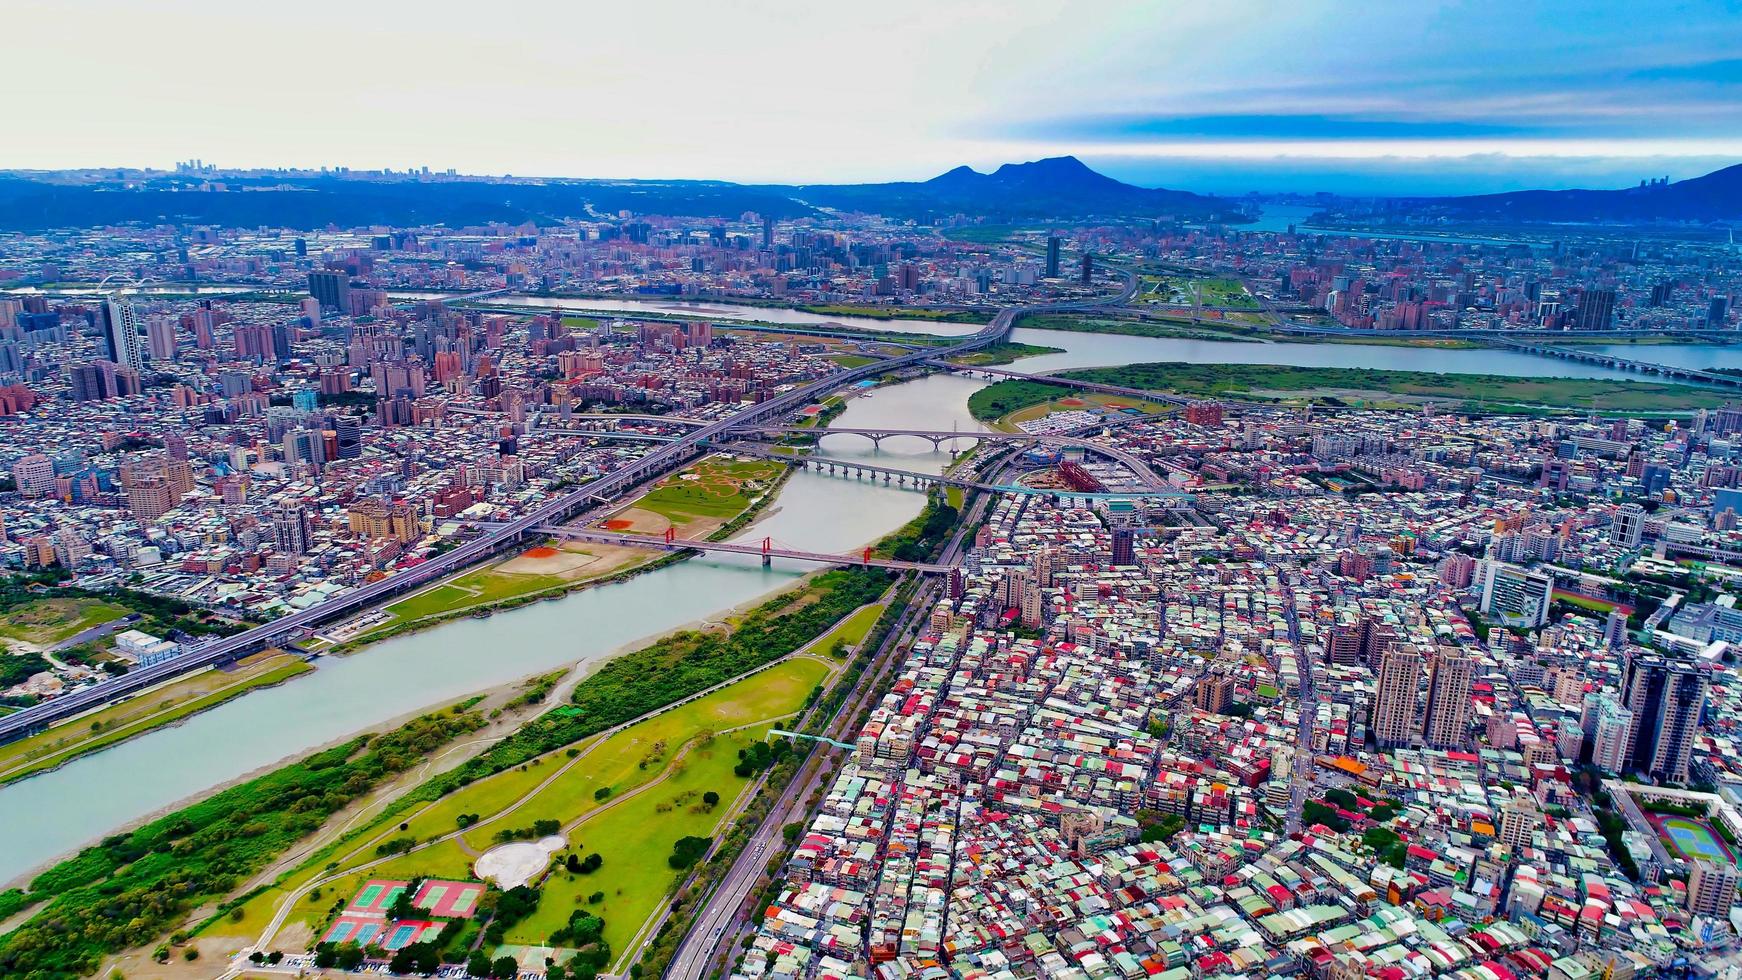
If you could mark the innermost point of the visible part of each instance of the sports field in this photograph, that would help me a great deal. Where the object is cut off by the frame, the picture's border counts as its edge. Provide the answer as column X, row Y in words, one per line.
column 1690, row 838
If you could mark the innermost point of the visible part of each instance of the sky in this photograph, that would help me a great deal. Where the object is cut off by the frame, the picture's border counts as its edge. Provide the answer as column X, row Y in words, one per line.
column 1229, row 96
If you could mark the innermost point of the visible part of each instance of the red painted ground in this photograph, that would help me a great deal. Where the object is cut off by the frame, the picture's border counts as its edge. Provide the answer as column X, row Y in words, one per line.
column 1072, row 402
column 541, row 552
column 619, row 525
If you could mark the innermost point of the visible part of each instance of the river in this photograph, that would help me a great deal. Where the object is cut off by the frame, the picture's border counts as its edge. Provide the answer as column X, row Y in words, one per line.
column 55, row 812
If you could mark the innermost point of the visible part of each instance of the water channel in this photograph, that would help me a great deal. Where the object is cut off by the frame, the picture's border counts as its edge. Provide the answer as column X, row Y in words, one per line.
column 55, row 812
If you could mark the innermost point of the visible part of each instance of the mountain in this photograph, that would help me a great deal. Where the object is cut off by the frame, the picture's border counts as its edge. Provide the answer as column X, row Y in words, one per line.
column 1061, row 187
column 1056, row 187
column 1717, row 196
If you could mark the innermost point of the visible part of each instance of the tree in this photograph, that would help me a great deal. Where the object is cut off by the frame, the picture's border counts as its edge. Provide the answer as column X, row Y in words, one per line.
column 350, row 956
column 687, row 850
column 326, row 957
column 478, row 964
column 711, row 798
column 505, row 968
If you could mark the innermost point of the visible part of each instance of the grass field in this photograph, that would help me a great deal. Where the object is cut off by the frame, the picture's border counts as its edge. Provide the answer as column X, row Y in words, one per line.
column 887, row 312
column 713, row 488
column 850, row 361
column 141, row 713
column 1690, row 838
column 1004, row 353
column 982, row 234
column 475, row 588
column 1184, row 291
column 1284, row 383
column 615, row 762
column 1208, row 327
column 851, row 631
column 49, row 621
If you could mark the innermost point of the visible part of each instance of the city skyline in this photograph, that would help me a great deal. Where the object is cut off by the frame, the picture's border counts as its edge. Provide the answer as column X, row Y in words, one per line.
column 1321, row 96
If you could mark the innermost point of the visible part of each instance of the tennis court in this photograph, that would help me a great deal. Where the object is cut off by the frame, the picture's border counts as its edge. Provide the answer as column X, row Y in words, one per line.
column 377, row 895
column 350, row 928
column 407, row 932
column 449, row 899
column 1690, row 838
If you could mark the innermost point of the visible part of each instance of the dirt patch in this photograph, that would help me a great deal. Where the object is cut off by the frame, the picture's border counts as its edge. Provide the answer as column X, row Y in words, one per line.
column 1072, row 402
column 541, row 552
column 638, row 521
column 516, row 863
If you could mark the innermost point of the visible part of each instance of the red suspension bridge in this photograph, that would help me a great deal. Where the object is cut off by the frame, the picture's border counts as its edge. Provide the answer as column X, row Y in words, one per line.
column 766, row 548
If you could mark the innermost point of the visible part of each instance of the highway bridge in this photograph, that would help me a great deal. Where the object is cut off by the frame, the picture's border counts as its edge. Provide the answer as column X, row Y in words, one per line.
column 766, row 548
column 670, row 456
column 1624, row 363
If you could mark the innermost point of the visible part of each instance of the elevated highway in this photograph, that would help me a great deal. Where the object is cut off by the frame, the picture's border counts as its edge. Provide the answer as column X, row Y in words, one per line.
column 558, row 509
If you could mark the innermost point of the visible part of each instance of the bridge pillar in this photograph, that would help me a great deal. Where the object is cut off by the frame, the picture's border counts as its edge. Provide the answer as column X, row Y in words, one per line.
column 767, row 557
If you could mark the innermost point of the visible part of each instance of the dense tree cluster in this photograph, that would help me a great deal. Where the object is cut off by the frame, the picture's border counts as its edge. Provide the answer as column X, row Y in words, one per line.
column 132, row 888
column 672, row 669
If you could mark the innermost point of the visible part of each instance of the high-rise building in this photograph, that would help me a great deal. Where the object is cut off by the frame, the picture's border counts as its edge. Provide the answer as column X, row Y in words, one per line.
column 1665, row 697
column 1394, row 697
column 160, row 337
column 149, row 497
column 1517, row 592
column 290, row 529
column 1607, row 728
column 333, row 289
column 1052, row 256
column 1596, row 309
column 1712, row 887
column 1718, row 313
column 121, row 330
column 1628, row 528
column 1088, row 268
column 33, row 476
column 1214, row 692
column 1448, row 701
column 1123, row 551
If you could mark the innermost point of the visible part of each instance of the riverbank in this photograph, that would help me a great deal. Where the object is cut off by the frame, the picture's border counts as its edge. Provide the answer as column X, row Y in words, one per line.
column 1363, row 387
column 166, row 704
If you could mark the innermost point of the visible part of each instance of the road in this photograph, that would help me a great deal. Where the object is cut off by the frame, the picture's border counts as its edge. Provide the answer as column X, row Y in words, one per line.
column 555, row 511
column 716, row 926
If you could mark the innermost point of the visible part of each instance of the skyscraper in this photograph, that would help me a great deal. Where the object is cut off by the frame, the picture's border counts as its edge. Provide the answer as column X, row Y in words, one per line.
column 1395, row 697
column 1665, row 697
column 1596, row 309
column 290, row 529
column 160, row 334
column 333, row 289
column 1123, row 552
column 1052, row 256
column 1448, row 701
column 1088, row 268
column 1628, row 528
column 121, row 330
column 1712, row 887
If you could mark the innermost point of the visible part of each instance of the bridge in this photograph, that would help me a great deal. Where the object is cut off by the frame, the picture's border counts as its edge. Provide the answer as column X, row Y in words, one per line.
column 783, row 733
column 766, row 548
column 1150, row 480
column 1624, row 363
column 299, row 624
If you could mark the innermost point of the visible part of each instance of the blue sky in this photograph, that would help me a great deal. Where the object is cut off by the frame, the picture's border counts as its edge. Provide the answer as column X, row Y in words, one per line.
column 1385, row 96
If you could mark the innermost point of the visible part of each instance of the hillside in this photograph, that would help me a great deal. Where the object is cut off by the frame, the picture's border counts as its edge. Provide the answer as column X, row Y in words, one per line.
column 1717, row 196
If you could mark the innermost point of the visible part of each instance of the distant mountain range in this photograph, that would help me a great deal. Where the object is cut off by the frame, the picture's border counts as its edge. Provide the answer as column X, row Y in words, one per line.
column 1050, row 188
column 1717, row 196
column 1061, row 187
